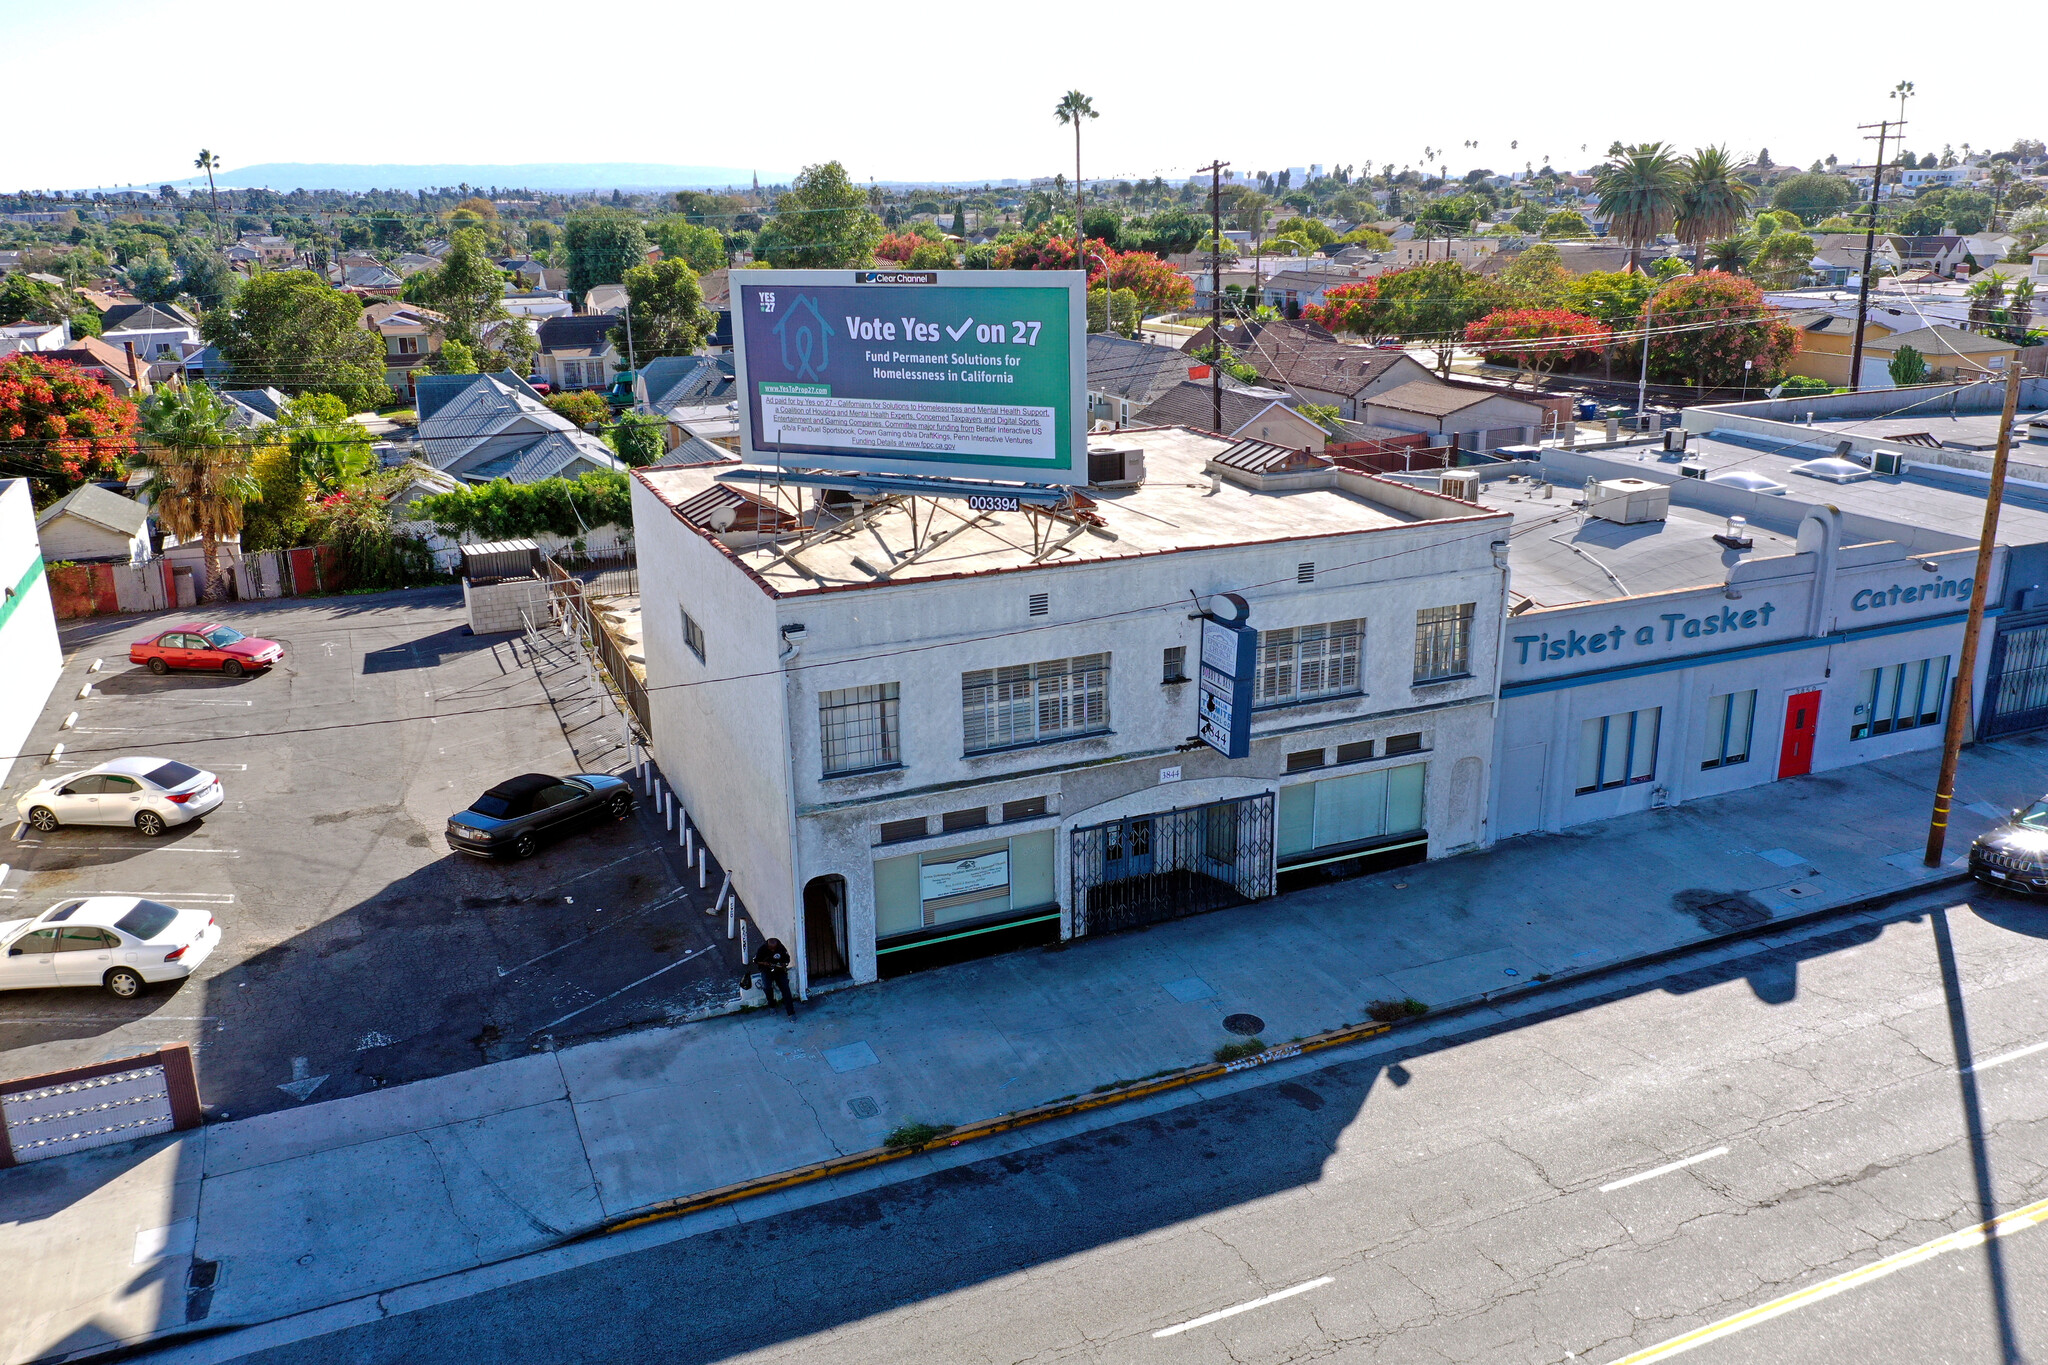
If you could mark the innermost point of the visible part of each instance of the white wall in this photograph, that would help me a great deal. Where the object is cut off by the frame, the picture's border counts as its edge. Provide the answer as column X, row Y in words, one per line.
column 28, row 625
column 75, row 538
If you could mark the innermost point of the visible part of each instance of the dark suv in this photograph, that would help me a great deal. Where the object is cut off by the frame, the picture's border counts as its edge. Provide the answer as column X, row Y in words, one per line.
column 2014, row 855
column 513, row 817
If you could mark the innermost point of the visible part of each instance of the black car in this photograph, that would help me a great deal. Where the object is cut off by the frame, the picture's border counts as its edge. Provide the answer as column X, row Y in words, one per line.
column 2015, row 854
column 514, row 816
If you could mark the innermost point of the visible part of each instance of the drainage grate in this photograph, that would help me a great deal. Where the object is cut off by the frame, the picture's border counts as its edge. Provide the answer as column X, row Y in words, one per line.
column 863, row 1106
column 1246, row 1024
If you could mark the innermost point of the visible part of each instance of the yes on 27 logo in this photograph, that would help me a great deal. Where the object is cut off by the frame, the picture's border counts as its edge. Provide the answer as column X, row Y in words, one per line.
column 767, row 300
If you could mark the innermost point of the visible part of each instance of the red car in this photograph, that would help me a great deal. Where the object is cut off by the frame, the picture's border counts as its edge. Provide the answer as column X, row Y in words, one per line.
column 205, row 646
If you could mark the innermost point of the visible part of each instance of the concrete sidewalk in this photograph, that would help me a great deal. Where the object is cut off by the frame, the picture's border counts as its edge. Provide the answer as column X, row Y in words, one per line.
column 307, row 1207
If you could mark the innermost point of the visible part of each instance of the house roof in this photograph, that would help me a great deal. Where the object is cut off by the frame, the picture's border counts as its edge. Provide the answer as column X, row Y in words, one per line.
column 1428, row 398
column 90, row 502
column 695, row 450
column 140, row 317
column 686, row 380
column 435, row 390
column 583, row 334
column 93, row 353
column 1263, row 457
column 1303, row 355
column 1940, row 340
column 1136, row 371
column 266, row 401
column 404, row 314
column 1191, row 404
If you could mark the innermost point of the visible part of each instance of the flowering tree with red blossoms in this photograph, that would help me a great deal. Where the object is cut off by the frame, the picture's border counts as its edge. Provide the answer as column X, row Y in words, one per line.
column 1536, row 339
column 1704, row 326
column 898, row 246
column 79, row 426
column 1159, row 287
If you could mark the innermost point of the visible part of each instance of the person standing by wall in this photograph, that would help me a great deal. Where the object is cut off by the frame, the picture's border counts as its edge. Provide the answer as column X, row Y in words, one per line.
column 772, row 961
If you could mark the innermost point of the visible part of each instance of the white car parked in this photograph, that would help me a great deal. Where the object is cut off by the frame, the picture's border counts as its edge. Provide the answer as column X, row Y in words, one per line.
column 151, row 794
column 120, row 943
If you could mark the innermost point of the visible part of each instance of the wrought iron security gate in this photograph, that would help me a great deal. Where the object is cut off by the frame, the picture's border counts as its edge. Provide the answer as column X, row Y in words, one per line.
column 2016, row 695
column 1149, row 868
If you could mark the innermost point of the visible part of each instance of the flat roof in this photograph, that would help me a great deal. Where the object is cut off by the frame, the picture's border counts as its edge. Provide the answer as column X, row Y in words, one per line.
column 1971, row 429
column 1557, row 555
column 1173, row 509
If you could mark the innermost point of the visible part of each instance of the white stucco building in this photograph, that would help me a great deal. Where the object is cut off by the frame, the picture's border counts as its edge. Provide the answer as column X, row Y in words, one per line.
column 914, row 729
column 28, row 625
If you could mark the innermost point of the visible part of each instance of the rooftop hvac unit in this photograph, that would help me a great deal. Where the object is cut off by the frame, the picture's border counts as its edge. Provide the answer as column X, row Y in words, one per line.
column 1115, row 464
column 1693, row 471
column 2037, row 430
column 1674, row 440
column 1887, row 462
column 1628, row 501
column 1462, row 484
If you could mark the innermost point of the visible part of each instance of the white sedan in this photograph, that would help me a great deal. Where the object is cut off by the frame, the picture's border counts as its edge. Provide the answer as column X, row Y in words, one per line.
column 150, row 794
column 120, row 943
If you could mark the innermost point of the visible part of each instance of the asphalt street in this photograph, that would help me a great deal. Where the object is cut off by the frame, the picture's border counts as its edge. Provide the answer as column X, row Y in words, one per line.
column 1591, row 1181
column 357, row 948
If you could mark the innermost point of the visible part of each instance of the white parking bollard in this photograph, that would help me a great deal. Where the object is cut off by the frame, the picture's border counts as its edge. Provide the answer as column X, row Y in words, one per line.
column 69, row 721
column 702, row 873
column 94, row 666
column 85, row 691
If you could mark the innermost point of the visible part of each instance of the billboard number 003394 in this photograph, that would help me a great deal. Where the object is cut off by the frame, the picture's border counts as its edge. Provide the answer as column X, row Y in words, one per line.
column 991, row 502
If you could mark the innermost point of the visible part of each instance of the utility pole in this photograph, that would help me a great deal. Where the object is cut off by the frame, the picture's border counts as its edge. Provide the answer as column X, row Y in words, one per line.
column 1966, row 666
column 1901, row 92
column 1215, row 170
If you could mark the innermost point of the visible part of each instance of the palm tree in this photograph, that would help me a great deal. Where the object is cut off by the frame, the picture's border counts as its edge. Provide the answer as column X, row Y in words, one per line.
column 1987, row 300
column 2021, row 309
column 1639, row 194
column 1072, row 108
column 1713, row 201
column 208, row 162
column 2001, row 175
column 1730, row 254
column 202, row 472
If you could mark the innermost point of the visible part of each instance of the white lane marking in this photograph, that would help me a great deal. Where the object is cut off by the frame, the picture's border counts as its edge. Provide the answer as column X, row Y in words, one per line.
column 1963, row 1239
column 7, row 1019
column 1664, row 1170
column 623, row 989
column 230, row 767
column 2002, row 1058
column 1235, row 1309
column 133, row 848
column 213, row 897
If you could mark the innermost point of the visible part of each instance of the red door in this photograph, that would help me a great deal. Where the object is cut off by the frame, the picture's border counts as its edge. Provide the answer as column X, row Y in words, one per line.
column 1802, row 718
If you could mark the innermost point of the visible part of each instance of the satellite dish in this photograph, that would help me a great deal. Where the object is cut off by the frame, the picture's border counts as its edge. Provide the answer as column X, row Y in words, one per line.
column 722, row 518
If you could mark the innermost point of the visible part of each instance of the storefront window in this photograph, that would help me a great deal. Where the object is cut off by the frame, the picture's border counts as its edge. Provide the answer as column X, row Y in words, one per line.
column 1618, row 751
column 964, row 885
column 1900, row 697
column 1728, row 726
column 1341, row 811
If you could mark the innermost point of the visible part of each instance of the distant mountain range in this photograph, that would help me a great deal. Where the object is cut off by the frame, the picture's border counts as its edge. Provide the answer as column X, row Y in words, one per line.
column 284, row 176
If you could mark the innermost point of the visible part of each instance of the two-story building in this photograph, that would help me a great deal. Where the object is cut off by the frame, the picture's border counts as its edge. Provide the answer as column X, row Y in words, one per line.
column 412, row 337
column 914, row 728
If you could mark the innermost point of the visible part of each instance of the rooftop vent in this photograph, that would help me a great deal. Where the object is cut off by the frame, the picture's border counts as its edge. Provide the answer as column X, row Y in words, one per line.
column 1747, row 479
column 1462, row 484
column 1627, row 501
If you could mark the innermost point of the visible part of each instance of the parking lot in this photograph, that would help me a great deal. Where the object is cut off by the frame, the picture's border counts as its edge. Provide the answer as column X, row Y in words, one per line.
column 358, row 951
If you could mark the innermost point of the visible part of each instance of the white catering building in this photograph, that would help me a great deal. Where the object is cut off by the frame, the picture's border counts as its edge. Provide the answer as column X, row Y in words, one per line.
column 913, row 729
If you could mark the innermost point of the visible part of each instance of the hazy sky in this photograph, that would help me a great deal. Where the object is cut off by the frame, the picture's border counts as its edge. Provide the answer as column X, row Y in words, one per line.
column 957, row 91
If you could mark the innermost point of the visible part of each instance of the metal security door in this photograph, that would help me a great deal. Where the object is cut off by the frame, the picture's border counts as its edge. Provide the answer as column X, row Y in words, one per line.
column 1150, row 868
column 1802, row 719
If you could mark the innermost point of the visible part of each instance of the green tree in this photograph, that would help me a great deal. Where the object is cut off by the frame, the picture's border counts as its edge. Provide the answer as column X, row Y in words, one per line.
column 25, row 300
column 637, row 438
column 455, row 358
column 1431, row 305
column 1712, row 202
column 1782, row 260
column 682, row 240
column 822, row 223
column 1640, row 191
column 153, row 279
column 201, row 472
column 1565, row 223
column 1730, row 254
column 666, row 306
column 584, row 407
column 290, row 330
column 205, row 275
column 1536, row 278
column 1813, row 197
column 1908, row 367
column 1305, row 229
column 468, row 290
column 279, row 515
column 1528, row 218
column 602, row 245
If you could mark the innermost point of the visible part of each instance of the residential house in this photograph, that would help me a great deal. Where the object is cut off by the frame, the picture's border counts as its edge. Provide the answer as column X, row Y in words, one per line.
column 1264, row 415
column 539, row 305
column 130, row 315
column 262, row 406
column 1988, row 248
column 1419, row 250
column 92, row 525
column 124, row 372
column 916, row 789
column 1939, row 177
column 479, row 427
column 1838, row 257
column 242, row 257
column 34, row 336
column 160, row 334
column 610, row 299
column 1940, row 254
column 372, row 278
column 268, row 247
column 412, row 337
column 1309, row 362
column 2037, row 263
column 1953, row 355
column 1827, row 342
column 693, row 394
column 1475, row 418
column 410, row 263
column 1125, row 376
column 577, row 352
column 1243, row 279
column 1290, row 291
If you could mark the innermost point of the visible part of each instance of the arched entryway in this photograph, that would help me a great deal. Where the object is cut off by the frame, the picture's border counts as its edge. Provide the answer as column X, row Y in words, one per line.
column 825, row 952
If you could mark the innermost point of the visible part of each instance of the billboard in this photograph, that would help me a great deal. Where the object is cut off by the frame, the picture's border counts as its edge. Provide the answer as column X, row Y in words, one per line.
column 978, row 374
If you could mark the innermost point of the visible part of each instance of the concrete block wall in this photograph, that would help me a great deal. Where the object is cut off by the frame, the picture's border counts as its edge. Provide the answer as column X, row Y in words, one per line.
column 496, row 607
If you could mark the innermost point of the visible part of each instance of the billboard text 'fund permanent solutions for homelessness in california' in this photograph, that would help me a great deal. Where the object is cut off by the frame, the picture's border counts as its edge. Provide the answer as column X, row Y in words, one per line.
column 968, row 373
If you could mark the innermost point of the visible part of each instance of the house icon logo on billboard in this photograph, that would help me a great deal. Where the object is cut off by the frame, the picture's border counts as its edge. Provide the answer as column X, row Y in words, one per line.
column 805, row 337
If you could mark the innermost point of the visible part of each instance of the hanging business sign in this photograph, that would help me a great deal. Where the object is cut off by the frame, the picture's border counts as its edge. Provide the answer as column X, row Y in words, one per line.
column 1230, row 656
column 962, row 373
